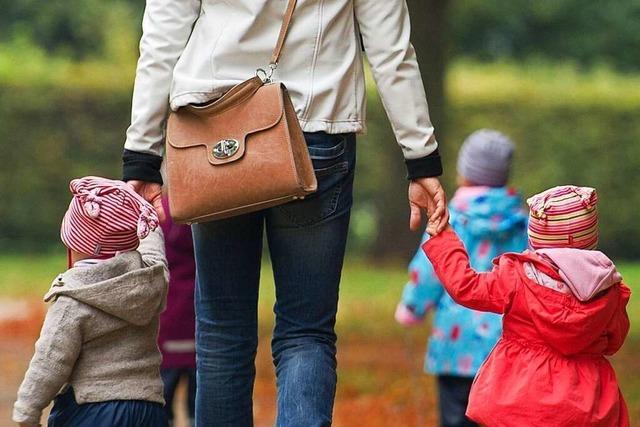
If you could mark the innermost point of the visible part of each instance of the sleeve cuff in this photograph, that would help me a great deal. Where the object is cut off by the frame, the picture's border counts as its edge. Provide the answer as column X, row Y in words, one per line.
column 444, row 238
column 425, row 167
column 141, row 166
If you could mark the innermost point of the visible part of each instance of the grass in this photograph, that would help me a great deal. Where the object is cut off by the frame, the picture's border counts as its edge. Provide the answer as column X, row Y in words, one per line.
column 365, row 290
column 379, row 360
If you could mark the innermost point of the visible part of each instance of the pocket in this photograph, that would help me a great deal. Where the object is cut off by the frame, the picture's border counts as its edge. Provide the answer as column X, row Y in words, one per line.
column 321, row 153
column 325, row 151
column 331, row 160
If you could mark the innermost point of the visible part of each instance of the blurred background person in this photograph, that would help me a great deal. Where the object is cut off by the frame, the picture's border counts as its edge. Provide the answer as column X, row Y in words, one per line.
column 177, row 323
column 490, row 219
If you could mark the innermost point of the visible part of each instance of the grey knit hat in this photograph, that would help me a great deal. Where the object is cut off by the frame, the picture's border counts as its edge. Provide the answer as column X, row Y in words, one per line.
column 485, row 158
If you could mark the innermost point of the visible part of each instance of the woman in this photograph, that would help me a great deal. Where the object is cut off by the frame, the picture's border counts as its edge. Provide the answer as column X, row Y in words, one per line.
column 195, row 50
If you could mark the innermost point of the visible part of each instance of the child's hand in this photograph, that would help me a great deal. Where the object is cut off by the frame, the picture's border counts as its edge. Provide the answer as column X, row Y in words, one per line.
column 406, row 317
column 152, row 193
column 432, row 233
column 426, row 195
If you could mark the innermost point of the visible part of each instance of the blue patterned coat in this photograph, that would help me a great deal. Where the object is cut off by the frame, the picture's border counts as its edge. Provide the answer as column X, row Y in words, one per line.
column 490, row 222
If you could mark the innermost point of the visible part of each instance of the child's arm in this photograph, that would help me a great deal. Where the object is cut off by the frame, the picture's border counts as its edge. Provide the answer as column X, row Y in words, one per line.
column 619, row 326
column 478, row 291
column 420, row 294
column 152, row 249
column 56, row 352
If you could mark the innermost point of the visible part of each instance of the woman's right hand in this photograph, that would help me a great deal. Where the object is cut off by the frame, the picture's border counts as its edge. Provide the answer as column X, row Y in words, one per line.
column 152, row 193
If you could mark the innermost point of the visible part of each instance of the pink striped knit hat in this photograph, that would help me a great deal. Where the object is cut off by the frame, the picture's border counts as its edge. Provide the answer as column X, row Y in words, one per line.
column 105, row 217
column 564, row 217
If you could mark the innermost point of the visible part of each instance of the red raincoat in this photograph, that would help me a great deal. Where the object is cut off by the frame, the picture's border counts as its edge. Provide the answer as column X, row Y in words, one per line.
column 548, row 369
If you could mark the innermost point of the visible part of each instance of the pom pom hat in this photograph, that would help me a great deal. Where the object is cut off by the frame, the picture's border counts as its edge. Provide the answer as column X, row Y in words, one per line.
column 564, row 217
column 105, row 217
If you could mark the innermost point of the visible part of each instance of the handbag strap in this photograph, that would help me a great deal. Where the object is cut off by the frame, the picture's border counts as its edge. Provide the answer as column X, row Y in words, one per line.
column 284, row 28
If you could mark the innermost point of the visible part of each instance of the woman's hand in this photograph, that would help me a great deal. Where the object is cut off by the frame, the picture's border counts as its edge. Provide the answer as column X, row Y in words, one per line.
column 427, row 194
column 152, row 193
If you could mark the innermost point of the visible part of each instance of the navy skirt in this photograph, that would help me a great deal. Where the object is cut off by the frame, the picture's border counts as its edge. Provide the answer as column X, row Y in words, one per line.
column 121, row 413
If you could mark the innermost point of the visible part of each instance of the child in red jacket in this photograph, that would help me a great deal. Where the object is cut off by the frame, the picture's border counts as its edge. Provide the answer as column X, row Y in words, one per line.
column 564, row 307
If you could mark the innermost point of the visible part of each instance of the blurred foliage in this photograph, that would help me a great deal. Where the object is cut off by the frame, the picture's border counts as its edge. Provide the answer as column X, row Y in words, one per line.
column 58, row 134
column 586, row 31
column 75, row 28
column 569, row 126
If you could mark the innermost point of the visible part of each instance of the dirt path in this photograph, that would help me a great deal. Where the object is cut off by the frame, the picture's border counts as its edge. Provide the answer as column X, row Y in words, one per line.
column 376, row 388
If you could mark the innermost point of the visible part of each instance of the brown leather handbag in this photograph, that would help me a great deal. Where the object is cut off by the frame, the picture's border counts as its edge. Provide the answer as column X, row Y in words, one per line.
column 240, row 153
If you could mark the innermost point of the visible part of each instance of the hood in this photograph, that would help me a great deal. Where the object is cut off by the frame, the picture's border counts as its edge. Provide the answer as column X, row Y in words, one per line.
column 121, row 286
column 489, row 212
column 578, row 322
column 586, row 273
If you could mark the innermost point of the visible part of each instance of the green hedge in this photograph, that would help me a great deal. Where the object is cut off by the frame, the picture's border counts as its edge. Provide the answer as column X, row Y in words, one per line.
column 49, row 136
column 569, row 128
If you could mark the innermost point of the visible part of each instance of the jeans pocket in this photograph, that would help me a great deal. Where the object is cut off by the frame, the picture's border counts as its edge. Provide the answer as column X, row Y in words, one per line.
column 320, row 153
column 326, row 150
column 332, row 166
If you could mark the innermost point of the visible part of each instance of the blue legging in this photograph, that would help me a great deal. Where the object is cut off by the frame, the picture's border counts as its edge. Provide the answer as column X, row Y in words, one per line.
column 66, row 412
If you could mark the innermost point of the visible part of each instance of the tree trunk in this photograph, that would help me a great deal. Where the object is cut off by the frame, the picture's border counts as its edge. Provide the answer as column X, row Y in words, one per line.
column 429, row 36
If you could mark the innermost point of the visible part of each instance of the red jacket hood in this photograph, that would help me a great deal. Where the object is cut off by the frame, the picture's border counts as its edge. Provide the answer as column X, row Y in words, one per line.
column 586, row 321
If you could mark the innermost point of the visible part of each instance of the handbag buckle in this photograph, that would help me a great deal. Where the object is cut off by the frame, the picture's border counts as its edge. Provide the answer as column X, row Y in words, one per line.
column 225, row 148
column 265, row 75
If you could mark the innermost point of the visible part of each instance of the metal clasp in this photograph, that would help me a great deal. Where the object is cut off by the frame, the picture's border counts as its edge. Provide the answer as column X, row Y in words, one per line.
column 225, row 148
column 265, row 75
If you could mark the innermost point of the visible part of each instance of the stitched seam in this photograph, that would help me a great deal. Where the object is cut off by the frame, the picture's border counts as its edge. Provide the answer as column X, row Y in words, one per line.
column 333, row 206
column 316, row 49
column 331, row 121
column 215, row 46
column 358, row 59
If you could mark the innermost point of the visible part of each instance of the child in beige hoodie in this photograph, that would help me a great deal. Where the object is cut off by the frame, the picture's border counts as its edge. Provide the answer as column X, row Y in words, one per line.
column 97, row 356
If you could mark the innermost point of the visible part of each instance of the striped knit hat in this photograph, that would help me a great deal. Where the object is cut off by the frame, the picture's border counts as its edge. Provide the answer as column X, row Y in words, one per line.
column 105, row 217
column 564, row 217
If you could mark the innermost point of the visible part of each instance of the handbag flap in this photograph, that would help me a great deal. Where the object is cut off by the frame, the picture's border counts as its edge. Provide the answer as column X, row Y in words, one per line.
column 222, row 126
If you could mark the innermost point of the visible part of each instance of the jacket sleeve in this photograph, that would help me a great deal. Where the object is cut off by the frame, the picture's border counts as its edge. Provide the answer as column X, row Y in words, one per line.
column 421, row 293
column 478, row 291
column 56, row 352
column 166, row 28
column 152, row 249
column 385, row 29
column 618, row 328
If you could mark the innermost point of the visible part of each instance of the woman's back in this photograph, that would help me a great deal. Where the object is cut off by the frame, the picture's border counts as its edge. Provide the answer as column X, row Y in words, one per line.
column 196, row 50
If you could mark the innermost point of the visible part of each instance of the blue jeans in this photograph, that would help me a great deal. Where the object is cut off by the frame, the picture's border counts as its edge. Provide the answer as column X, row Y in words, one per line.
column 306, row 241
column 171, row 378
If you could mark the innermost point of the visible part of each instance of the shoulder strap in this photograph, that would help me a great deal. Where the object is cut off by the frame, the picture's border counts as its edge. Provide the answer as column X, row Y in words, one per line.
column 283, row 32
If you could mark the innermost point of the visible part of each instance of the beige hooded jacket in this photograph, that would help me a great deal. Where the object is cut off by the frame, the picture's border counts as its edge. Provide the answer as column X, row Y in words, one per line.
column 99, row 335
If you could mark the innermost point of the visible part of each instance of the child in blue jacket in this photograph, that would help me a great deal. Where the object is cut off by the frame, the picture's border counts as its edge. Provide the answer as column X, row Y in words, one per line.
column 490, row 220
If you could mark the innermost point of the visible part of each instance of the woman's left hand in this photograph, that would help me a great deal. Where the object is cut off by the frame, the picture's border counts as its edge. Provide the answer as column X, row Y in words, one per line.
column 427, row 194
column 152, row 193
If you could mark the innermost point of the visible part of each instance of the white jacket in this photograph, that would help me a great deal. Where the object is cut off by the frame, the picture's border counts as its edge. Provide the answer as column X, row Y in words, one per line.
column 195, row 50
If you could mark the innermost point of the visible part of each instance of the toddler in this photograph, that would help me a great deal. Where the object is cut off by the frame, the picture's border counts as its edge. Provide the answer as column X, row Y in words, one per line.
column 97, row 356
column 490, row 220
column 564, row 307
